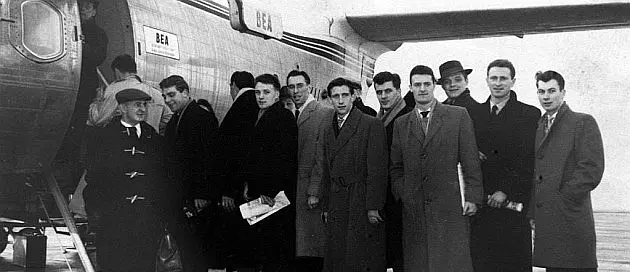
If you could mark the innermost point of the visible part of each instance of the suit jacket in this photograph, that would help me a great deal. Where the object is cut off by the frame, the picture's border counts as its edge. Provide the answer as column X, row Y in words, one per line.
column 424, row 175
column 508, row 143
column 309, row 226
column 271, row 161
column 191, row 137
column 235, row 134
column 355, row 180
column 569, row 165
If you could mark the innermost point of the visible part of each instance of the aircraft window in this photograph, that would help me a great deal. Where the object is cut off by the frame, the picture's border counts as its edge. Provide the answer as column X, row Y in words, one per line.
column 42, row 30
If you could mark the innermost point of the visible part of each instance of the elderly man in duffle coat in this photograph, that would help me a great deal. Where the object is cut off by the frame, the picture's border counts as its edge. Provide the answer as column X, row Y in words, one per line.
column 569, row 165
column 127, row 187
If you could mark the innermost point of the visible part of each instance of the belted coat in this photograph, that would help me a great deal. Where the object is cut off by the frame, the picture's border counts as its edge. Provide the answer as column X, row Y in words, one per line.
column 424, row 175
column 569, row 165
column 355, row 181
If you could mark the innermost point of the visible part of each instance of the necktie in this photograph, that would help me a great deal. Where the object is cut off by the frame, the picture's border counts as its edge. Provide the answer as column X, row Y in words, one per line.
column 425, row 121
column 260, row 114
column 339, row 121
column 548, row 123
column 494, row 110
column 297, row 114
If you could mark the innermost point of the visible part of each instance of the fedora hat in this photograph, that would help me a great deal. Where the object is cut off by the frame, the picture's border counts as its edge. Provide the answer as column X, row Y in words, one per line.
column 451, row 67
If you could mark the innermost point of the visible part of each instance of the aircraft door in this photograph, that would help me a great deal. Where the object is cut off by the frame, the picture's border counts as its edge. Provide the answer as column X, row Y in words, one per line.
column 39, row 29
column 40, row 64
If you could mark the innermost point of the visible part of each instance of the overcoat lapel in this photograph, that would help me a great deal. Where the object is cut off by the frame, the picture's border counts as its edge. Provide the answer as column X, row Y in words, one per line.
column 415, row 126
column 434, row 124
column 308, row 110
column 349, row 128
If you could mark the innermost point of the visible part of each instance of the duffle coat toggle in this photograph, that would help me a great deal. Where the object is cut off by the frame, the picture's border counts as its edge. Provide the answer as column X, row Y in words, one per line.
column 133, row 199
column 134, row 174
column 134, row 151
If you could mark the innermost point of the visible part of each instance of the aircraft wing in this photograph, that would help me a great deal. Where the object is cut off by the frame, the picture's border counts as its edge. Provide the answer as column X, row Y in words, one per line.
column 478, row 23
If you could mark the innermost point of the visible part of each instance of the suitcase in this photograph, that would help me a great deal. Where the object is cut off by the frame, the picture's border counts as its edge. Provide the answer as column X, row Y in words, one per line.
column 29, row 250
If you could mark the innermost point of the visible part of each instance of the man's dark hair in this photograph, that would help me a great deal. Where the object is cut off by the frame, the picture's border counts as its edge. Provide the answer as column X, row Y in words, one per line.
column 503, row 63
column 294, row 73
column 383, row 77
column 340, row 81
column 549, row 75
column 268, row 79
column 124, row 63
column 242, row 79
column 422, row 70
column 175, row 80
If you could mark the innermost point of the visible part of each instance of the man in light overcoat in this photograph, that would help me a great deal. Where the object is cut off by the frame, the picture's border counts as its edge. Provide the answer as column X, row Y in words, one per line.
column 311, row 120
column 354, row 185
column 427, row 145
column 569, row 165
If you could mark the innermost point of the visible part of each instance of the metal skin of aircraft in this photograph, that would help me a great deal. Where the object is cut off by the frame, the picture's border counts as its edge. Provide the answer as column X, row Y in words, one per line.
column 40, row 57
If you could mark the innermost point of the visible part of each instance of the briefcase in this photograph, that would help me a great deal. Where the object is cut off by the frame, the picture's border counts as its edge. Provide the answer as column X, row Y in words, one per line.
column 29, row 250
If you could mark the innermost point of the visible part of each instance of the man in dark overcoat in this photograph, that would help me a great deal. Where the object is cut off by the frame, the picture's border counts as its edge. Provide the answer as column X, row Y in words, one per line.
column 311, row 120
column 387, row 87
column 235, row 134
column 569, row 165
column 354, row 184
column 454, row 81
column 191, row 136
column 428, row 143
column 505, row 130
column 270, row 167
column 127, row 187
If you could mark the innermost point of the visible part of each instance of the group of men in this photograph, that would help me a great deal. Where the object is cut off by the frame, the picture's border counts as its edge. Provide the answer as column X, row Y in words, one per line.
column 369, row 190
column 510, row 157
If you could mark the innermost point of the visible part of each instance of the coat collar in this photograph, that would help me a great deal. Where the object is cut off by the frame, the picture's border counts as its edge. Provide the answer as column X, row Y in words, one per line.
column 434, row 123
column 306, row 112
column 461, row 97
column 347, row 131
column 391, row 115
column 508, row 105
column 541, row 137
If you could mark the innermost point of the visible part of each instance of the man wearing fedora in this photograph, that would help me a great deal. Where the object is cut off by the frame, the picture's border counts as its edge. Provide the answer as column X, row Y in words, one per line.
column 454, row 81
column 505, row 129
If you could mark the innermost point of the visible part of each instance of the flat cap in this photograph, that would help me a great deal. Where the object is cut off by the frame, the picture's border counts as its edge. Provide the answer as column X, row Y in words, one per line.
column 127, row 95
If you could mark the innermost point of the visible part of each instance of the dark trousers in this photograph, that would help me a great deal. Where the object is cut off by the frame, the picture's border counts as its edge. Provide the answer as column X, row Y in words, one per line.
column 309, row 264
column 500, row 241
column 393, row 228
column 273, row 243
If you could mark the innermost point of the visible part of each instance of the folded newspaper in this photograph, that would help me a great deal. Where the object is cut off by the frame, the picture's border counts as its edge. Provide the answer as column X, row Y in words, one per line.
column 255, row 210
